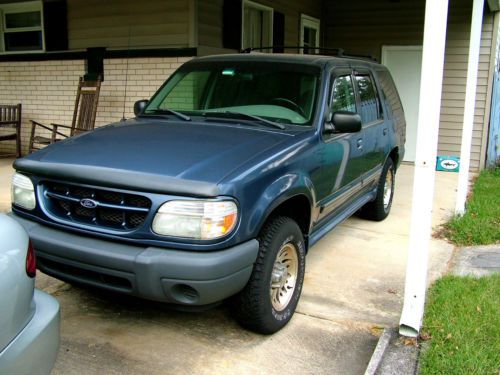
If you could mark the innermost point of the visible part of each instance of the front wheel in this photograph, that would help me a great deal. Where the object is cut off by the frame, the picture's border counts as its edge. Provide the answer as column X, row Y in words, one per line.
column 268, row 301
column 379, row 208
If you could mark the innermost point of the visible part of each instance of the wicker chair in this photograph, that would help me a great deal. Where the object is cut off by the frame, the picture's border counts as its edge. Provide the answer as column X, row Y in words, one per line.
column 10, row 119
column 84, row 116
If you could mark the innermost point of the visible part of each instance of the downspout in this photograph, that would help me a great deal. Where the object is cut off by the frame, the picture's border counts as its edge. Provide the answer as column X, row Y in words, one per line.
column 470, row 104
column 431, row 85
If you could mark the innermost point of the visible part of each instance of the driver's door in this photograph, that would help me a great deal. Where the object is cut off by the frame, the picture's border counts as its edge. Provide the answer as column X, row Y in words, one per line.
column 342, row 152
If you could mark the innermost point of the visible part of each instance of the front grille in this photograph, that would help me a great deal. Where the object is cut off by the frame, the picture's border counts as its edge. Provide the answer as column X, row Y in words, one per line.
column 108, row 209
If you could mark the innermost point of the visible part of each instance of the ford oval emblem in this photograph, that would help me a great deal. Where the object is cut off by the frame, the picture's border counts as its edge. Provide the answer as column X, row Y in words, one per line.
column 88, row 203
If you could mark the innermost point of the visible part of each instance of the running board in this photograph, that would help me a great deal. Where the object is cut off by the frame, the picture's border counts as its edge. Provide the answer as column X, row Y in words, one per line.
column 340, row 217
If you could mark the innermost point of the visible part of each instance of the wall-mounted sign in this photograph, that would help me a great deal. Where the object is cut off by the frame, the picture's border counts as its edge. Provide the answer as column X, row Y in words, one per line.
column 448, row 163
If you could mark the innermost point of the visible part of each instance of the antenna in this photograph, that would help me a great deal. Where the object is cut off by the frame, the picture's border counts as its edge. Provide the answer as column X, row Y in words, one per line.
column 126, row 72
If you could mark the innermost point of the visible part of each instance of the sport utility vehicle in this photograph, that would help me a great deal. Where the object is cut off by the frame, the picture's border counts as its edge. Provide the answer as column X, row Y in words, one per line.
column 220, row 185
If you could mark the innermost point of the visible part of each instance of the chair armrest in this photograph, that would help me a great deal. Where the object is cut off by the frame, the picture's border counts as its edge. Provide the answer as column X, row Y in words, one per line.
column 61, row 126
column 34, row 124
column 52, row 129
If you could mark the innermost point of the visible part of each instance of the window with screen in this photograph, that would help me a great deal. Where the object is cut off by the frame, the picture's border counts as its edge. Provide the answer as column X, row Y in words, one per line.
column 370, row 109
column 21, row 27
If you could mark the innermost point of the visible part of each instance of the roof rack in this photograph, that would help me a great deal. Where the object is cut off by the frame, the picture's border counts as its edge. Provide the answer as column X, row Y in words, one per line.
column 336, row 52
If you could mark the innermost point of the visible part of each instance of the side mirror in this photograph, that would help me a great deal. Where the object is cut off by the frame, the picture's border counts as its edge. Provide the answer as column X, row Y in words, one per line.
column 346, row 122
column 139, row 106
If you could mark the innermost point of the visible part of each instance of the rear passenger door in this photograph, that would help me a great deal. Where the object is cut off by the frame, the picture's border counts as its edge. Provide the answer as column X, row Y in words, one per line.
column 374, row 134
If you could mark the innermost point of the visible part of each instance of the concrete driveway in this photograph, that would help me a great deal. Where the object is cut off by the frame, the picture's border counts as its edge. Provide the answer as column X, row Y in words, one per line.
column 353, row 287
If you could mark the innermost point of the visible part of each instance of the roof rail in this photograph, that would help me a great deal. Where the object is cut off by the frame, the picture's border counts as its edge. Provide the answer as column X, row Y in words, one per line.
column 337, row 52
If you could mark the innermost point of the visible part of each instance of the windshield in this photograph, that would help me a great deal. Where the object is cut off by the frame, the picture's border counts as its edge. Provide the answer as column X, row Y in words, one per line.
column 280, row 92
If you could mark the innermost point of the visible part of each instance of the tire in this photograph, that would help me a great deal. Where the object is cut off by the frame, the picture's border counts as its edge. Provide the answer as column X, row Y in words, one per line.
column 378, row 209
column 267, row 304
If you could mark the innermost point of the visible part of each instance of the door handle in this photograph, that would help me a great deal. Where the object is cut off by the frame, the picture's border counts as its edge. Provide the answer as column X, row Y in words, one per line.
column 384, row 132
column 359, row 143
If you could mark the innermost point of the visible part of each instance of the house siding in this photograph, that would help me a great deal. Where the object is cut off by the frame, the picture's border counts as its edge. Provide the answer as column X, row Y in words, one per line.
column 47, row 89
column 124, row 24
column 365, row 26
column 210, row 20
column 455, row 76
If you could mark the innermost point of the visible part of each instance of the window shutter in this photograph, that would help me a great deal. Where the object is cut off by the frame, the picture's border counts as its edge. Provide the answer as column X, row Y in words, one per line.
column 55, row 24
column 231, row 24
column 278, row 32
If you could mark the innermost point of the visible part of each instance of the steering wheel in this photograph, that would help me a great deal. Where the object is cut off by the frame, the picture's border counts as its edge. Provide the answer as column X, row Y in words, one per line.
column 290, row 105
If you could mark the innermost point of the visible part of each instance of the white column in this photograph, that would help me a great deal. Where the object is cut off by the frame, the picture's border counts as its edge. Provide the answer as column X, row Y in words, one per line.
column 470, row 104
column 436, row 13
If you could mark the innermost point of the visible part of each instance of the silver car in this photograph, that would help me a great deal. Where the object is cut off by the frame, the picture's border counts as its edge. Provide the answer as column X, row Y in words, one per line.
column 29, row 318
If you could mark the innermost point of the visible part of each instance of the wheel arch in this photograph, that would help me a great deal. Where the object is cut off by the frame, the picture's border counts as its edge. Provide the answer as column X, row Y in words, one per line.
column 296, row 206
column 394, row 155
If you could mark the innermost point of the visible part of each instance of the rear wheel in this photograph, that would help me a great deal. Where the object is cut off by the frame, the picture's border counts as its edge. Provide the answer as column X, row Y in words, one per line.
column 268, row 301
column 379, row 208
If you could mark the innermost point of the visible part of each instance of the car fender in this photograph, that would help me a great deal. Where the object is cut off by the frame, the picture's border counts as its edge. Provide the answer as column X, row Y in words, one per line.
column 285, row 187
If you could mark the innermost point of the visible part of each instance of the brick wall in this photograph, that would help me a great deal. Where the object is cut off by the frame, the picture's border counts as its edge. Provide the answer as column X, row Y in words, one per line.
column 47, row 89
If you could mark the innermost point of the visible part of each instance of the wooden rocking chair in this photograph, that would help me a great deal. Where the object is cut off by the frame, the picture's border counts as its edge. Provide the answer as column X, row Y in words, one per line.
column 84, row 116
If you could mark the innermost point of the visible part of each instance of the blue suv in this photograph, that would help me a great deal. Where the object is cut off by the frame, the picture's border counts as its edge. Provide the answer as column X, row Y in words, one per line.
column 220, row 184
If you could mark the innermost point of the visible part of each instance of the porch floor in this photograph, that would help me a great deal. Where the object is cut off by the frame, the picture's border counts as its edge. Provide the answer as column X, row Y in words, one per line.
column 354, row 285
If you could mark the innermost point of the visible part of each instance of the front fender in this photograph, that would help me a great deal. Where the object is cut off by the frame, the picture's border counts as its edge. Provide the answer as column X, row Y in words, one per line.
column 285, row 187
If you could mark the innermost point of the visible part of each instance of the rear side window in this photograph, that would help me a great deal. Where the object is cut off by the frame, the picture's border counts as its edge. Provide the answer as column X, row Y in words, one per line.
column 343, row 98
column 370, row 104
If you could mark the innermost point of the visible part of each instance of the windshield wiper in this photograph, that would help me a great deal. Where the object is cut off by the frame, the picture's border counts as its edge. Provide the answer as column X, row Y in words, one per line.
column 160, row 111
column 247, row 116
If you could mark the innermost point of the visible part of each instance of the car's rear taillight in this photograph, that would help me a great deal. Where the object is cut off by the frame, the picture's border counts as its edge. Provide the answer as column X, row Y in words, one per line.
column 30, row 261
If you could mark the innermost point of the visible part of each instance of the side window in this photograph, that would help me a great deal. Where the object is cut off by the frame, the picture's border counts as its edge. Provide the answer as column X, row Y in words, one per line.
column 21, row 27
column 370, row 105
column 343, row 98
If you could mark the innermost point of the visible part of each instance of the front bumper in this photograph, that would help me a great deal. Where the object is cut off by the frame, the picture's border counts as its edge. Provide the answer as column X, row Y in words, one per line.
column 34, row 350
column 159, row 274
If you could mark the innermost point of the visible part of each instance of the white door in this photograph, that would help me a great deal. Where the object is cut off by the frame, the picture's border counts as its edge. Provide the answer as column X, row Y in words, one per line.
column 405, row 65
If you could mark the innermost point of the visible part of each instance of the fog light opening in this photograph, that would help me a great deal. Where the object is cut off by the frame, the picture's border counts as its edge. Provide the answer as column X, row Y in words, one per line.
column 185, row 294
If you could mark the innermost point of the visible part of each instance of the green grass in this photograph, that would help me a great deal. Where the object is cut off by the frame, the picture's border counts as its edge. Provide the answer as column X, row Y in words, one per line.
column 480, row 225
column 462, row 318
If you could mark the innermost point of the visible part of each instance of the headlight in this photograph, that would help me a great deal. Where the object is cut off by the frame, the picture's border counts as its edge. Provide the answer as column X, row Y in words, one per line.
column 204, row 220
column 23, row 192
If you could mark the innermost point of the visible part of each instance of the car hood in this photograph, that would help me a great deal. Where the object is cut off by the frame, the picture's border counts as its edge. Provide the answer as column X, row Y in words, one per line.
column 158, row 155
